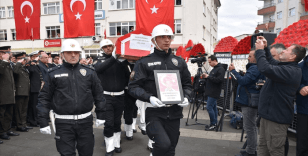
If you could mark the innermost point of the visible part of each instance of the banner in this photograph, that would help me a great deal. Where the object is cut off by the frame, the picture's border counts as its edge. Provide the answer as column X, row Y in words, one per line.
column 52, row 43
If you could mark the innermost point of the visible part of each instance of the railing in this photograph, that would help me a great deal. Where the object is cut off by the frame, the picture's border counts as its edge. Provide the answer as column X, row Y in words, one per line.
column 266, row 21
column 268, row 5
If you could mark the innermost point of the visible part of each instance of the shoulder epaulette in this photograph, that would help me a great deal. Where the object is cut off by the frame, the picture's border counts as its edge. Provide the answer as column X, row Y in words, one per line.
column 53, row 68
column 87, row 66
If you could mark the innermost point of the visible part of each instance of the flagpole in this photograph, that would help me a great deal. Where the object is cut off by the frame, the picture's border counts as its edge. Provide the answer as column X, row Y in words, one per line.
column 32, row 38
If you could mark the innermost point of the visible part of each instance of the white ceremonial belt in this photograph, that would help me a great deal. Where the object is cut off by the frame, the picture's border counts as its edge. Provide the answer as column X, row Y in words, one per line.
column 126, row 87
column 114, row 93
column 73, row 117
column 150, row 105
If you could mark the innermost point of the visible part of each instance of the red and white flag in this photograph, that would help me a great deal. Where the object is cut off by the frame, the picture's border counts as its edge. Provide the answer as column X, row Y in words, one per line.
column 79, row 18
column 27, row 19
column 150, row 13
column 306, row 5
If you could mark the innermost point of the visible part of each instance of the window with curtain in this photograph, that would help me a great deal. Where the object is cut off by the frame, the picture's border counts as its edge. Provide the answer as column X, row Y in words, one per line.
column 51, row 8
column 97, row 29
column 3, row 35
column 13, row 34
column 291, row 12
column 11, row 11
column 98, row 5
column 53, row 32
column 2, row 12
column 177, row 26
column 121, row 28
column 121, row 4
column 279, row 15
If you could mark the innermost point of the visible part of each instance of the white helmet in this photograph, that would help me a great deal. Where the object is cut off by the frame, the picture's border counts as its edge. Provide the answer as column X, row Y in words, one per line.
column 162, row 29
column 105, row 42
column 70, row 45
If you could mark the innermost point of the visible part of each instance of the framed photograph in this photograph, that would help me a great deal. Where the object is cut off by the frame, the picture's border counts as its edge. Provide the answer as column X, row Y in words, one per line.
column 169, row 86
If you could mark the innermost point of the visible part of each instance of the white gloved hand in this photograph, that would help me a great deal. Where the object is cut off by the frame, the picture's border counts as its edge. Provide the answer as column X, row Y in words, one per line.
column 156, row 102
column 185, row 103
column 45, row 130
column 99, row 122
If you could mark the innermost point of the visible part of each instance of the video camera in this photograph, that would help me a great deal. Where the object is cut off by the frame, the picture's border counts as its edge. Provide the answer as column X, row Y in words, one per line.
column 199, row 59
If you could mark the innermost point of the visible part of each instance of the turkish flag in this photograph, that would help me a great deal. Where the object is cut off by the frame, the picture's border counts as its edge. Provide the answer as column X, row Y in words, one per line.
column 306, row 5
column 150, row 13
column 79, row 18
column 27, row 19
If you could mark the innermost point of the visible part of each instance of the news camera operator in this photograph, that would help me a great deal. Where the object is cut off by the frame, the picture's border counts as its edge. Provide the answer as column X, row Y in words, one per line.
column 214, row 84
column 276, row 97
column 247, row 97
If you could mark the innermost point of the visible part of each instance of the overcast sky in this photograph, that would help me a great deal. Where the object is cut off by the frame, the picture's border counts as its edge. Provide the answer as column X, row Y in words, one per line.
column 236, row 17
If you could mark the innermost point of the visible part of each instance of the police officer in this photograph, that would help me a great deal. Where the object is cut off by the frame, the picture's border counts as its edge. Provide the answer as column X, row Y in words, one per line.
column 163, row 121
column 55, row 59
column 7, row 92
column 70, row 91
column 111, row 72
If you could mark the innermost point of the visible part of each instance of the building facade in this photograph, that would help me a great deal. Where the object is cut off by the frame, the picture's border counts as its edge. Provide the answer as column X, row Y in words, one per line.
column 279, row 14
column 194, row 20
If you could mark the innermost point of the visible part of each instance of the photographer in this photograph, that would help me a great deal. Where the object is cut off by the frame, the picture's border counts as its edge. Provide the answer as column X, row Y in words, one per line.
column 213, row 88
column 246, row 90
column 277, row 95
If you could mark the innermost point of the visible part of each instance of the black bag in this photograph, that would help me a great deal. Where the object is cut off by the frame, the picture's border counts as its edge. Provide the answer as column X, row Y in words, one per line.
column 199, row 84
column 253, row 99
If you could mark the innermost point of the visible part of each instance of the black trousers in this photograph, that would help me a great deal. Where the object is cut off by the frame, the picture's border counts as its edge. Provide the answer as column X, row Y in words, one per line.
column 75, row 134
column 32, row 111
column 302, row 135
column 130, row 109
column 165, row 133
column 6, row 114
column 113, row 114
column 20, row 111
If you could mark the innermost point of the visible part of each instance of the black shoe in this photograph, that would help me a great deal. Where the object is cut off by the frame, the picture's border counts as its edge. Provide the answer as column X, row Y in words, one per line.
column 28, row 127
column 1, row 142
column 109, row 153
column 211, row 128
column 118, row 150
column 11, row 133
column 149, row 148
column 5, row 137
column 129, row 138
column 134, row 131
column 22, row 129
column 143, row 131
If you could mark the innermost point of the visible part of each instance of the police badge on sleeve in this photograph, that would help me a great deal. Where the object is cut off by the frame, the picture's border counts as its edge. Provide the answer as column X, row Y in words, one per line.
column 83, row 72
column 175, row 61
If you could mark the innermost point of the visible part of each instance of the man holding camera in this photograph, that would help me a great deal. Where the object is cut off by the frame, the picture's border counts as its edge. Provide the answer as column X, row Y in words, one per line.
column 214, row 84
column 277, row 95
column 245, row 91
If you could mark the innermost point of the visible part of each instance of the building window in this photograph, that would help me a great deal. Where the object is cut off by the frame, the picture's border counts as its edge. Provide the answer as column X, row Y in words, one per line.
column 97, row 29
column 51, row 8
column 291, row 12
column 279, row 15
column 204, row 9
column 278, row 30
column 92, row 53
column 98, row 5
column 203, row 32
column 13, row 34
column 121, row 28
column 11, row 11
column 2, row 12
column 121, row 4
column 178, row 2
column 53, row 32
column 3, row 35
column 280, row 1
column 271, row 18
column 177, row 26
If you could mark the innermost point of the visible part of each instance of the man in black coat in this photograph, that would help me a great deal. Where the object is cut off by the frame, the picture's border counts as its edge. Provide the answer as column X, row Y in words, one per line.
column 214, row 84
column 277, row 95
column 7, row 92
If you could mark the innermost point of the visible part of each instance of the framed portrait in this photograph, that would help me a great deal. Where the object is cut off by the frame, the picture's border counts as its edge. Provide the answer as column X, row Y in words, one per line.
column 169, row 86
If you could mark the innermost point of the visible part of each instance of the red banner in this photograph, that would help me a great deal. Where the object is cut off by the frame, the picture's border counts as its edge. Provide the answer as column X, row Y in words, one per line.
column 52, row 43
column 27, row 19
column 306, row 5
column 79, row 18
column 154, row 12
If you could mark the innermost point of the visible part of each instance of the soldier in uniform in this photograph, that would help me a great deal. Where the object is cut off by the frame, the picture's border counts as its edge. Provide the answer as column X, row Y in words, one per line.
column 70, row 91
column 7, row 94
column 22, row 83
column 55, row 60
column 111, row 72
column 163, row 121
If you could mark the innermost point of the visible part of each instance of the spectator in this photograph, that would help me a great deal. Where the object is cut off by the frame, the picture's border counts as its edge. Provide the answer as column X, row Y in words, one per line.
column 277, row 95
column 276, row 49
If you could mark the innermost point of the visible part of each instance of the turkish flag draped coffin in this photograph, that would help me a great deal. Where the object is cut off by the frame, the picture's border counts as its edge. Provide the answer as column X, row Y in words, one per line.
column 150, row 13
column 79, row 18
column 27, row 19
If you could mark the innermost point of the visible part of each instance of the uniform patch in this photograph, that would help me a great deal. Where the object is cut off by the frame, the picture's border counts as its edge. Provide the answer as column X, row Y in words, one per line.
column 175, row 61
column 132, row 76
column 83, row 72
column 94, row 62
column 61, row 75
column 154, row 64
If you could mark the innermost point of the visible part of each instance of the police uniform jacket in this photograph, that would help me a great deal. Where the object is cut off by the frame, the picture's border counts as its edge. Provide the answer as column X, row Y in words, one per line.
column 111, row 72
column 22, row 81
column 7, row 86
column 36, row 78
column 70, row 90
column 142, row 85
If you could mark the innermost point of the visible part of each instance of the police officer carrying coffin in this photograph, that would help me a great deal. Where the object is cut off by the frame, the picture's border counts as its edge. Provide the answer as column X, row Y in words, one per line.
column 70, row 91
column 111, row 72
column 163, row 122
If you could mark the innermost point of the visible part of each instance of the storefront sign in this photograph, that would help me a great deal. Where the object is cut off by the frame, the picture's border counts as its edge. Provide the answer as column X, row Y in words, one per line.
column 52, row 43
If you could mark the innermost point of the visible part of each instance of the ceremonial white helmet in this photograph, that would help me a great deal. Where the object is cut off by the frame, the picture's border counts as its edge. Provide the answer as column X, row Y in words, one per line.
column 105, row 42
column 161, row 30
column 70, row 45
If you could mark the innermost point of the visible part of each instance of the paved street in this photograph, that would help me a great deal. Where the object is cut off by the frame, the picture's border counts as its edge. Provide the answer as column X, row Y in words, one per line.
column 194, row 141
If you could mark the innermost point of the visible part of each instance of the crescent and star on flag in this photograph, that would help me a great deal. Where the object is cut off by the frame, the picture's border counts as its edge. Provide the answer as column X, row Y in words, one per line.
column 154, row 9
column 24, row 4
column 84, row 7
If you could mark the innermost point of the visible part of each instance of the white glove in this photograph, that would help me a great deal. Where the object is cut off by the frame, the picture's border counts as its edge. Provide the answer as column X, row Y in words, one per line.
column 99, row 122
column 156, row 102
column 185, row 103
column 45, row 130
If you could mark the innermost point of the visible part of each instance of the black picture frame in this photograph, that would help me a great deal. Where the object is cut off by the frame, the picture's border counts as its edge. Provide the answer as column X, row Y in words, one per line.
column 175, row 93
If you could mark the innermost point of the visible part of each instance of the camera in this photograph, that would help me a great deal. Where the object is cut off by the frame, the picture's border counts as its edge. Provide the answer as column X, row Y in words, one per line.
column 199, row 59
column 260, row 84
column 241, row 73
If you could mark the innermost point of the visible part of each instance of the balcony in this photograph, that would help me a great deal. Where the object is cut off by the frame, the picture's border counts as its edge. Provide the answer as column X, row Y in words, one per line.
column 266, row 25
column 267, row 9
column 304, row 16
